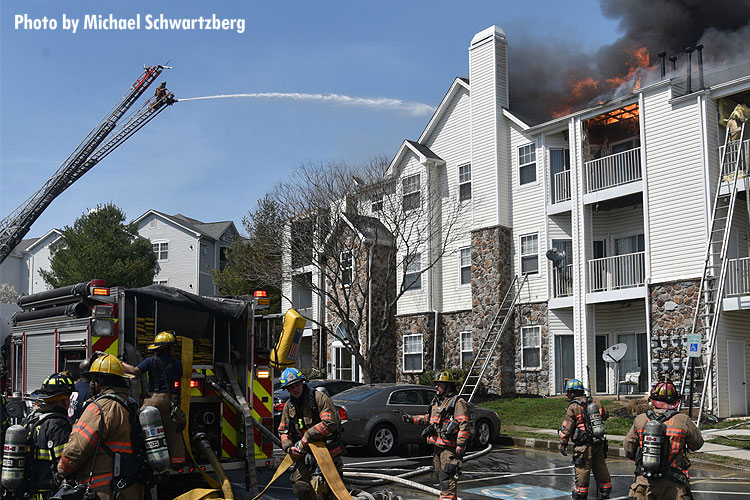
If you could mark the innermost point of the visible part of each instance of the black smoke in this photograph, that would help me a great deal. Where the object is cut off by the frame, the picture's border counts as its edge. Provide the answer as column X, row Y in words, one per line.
column 544, row 73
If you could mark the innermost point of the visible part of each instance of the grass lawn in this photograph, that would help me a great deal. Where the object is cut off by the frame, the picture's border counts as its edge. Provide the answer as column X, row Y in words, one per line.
column 548, row 413
column 740, row 442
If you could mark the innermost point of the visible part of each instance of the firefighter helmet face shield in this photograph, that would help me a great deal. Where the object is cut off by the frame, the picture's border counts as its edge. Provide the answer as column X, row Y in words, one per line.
column 290, row 376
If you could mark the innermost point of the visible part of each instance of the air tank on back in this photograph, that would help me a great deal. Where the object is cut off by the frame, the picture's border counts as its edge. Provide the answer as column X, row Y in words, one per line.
column 14, row 457
column 154, row 439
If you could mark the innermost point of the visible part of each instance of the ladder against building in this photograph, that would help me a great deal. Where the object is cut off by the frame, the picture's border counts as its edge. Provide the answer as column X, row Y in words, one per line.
column 492, row 338
column 733, row 164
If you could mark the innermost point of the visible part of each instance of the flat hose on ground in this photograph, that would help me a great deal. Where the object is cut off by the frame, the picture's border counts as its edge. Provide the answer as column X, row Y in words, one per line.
column 201, row 442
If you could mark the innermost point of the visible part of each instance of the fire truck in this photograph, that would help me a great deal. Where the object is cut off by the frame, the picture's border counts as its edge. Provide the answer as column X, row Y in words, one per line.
column 231, row 381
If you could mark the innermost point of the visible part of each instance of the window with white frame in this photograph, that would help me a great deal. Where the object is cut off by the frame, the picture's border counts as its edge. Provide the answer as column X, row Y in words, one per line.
column 467, row 349
column 531, row 347
column 161, row 250
column 530, row 253
column 413, row 353
column 413, row 274
column 346, row 264
column 164, row 282
column 464, row 182
column 376, row 204
column 411, row 194
column 464, row 266
column 527, row 164
column 302, row 291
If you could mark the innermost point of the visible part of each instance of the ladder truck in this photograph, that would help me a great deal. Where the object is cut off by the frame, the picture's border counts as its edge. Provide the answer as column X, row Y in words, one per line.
column 88, row 153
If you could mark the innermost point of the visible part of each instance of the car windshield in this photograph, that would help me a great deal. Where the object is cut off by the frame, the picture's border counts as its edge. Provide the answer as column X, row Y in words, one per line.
column 356, row 393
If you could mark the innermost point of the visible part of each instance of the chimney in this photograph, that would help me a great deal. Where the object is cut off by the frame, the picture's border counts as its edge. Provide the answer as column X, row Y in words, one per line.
column 689, row 52
column 488, row 64
column 699, row 48
column 663, row 64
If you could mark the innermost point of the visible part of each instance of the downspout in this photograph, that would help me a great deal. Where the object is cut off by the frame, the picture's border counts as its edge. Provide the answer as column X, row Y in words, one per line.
column 369, row 302
column 430, row 299
column 646, row 232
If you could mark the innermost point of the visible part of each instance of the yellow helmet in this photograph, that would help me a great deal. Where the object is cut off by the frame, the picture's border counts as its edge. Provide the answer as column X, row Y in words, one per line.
column 107, row 364
column 162, row 339
column 445, row 376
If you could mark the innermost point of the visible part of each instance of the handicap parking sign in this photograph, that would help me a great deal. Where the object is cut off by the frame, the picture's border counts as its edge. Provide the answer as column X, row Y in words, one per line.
column 694, row 345
column 516, row 491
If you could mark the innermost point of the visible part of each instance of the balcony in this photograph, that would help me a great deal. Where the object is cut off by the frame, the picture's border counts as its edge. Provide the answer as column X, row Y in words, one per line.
column 562, row 187
column 617, row 278
column 737, row 287
column 563, row 282
column 613, row 170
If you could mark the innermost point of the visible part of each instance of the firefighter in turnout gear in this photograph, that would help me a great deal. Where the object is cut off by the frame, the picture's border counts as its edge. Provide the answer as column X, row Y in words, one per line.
column 657, row 442
column 101, row 450
column 448, row 431
column 583, row 425
column 163, row 371
column 49, row 429
column 309, row 415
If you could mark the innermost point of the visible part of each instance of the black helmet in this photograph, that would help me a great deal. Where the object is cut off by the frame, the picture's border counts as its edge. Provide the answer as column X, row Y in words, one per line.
column 57, row 384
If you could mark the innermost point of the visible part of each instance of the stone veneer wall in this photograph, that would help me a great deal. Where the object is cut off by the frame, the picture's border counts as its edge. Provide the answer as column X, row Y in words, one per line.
column 452, row 324
column 491, row 265
column 535, row 380
column 409, row 325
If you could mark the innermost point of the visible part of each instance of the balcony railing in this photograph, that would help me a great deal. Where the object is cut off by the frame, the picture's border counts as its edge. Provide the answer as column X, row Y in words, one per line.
column 613, row 170
column 563, row 281
column 738, row 277
column 615, row 273
column 562, row 186
column 733, row 150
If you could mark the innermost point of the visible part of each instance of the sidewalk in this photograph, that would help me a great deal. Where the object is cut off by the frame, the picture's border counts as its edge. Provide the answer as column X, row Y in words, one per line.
column 511, row 436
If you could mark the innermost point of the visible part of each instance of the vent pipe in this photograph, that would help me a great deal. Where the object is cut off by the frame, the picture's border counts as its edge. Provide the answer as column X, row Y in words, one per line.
column 673, row 61
column 689, row 52
column 662, row 57
column 699, row 48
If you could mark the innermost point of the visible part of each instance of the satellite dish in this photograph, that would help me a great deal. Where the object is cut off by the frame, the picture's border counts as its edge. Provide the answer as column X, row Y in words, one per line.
column 615, row 353
column 557, row 257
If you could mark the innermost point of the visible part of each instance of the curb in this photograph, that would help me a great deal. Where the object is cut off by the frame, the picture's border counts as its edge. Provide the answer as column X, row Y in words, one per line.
column 547, row 444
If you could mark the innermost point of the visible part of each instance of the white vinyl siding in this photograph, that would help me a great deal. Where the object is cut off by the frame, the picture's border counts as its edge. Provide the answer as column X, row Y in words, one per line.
column 675, row 187
column 413, row 353
column 732, row 326
column 184, row 252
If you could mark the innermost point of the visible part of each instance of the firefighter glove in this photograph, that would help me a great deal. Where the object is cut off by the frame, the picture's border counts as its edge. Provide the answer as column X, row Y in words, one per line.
column 564, row 449
column 407, row 418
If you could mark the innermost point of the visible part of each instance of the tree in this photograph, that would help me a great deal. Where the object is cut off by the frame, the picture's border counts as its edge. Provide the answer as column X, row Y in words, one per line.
column 8, row 294
column 101, row 245
column 352, row 236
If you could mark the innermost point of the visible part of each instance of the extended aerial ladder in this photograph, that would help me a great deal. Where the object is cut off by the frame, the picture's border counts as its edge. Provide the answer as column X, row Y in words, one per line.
column 88, row 153
column 492, row 338
column 711, row 293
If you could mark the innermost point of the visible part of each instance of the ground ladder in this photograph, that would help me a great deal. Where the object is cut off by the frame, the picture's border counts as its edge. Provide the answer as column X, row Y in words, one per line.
column 492, row 338
column 708, row 308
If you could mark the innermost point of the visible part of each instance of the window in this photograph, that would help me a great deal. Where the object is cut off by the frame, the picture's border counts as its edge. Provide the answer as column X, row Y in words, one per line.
column 344, row 330
column 411, row 196
column 204, row 249
column 223, row 259
column 600, row 249
column 630, row 244
column 345, row 262
column 301, row 291
column 467, row 349
column 377, row 205
column 164, row 282
column 531, row 347
column 413, row 273
column 527, row 164
column 464, row 264
column 412, row 353
column 161, row 250
column 464, row 182
column 530, row 254
column 406, row 397
column 302, row 242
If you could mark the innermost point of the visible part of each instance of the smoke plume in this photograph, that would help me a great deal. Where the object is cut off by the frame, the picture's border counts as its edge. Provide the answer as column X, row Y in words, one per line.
column 547, row 82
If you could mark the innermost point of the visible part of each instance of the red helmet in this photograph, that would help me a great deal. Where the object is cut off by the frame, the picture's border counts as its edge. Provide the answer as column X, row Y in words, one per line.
column 665, row 395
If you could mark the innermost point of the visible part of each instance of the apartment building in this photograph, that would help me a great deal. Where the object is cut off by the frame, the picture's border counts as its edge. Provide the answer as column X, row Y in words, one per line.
column 622, row 191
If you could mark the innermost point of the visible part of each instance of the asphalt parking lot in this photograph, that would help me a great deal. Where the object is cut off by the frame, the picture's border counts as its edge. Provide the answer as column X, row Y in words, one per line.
column 522, row 473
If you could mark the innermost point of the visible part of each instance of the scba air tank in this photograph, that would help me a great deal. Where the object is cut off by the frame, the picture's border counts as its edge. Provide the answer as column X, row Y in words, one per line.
column 154, row 439
column 14, row 457
column 653, row 434
column 597, row 425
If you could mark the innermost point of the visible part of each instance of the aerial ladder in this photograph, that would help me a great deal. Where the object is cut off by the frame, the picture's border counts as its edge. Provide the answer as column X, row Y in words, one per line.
column 492, row 338
column 708, row 308
column 88, row 153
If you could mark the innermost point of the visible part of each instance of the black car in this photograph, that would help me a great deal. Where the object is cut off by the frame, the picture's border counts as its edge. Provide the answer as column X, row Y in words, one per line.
column 371, row 416
column 331, row 387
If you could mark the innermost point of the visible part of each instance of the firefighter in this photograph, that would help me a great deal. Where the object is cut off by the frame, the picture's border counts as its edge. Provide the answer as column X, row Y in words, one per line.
column 102, row 433
column 583, row 425
column 657, row 442
column 49, row 429
column 308, row 416
column 163, row 372
column 81, row 392
column 448, row 432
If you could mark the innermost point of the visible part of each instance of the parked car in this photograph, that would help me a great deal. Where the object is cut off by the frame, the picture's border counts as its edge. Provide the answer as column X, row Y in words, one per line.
column 371, row 416
column 331, row 387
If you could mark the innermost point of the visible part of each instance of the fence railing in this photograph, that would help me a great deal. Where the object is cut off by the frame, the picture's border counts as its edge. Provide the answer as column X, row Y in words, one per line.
column 615, row 273
column 563, row 281
column 562, row 186
column 738, row 277
column 733, row 149
column 613, row 170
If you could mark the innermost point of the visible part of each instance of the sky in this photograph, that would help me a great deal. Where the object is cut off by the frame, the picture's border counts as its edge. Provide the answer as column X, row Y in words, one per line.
column 211, row 159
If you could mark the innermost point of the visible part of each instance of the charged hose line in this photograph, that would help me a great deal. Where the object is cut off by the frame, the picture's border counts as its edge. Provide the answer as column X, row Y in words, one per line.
column 205, row 447
column 393, row 479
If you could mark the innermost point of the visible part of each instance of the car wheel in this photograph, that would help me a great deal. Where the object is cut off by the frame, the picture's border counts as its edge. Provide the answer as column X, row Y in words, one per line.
column 483, row 430
column 383, row 439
